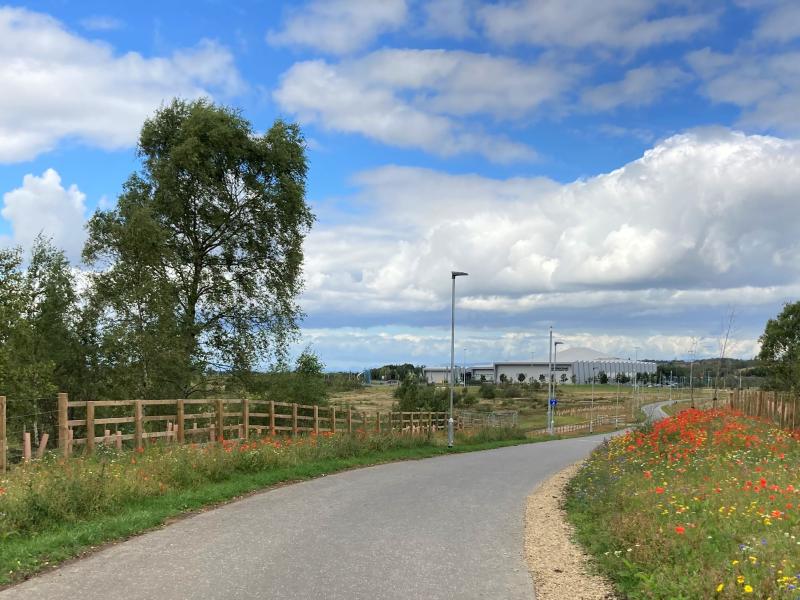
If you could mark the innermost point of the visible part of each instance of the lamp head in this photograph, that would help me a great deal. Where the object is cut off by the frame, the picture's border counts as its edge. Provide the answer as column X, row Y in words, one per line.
column 455, row 274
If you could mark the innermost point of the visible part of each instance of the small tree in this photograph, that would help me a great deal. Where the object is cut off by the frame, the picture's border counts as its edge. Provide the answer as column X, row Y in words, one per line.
column 542, row 378
column 521, row 377
column 563, row 378
column 780, row 348
column 602, row 377
column 503, row 378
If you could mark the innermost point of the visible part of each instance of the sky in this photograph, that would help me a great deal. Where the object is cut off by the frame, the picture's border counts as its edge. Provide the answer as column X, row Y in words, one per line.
column 625, row 171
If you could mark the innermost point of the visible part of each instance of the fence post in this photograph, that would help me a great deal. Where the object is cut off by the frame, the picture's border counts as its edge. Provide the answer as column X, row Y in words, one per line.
column 137, row 424
column 333, row 419
column 26, row 446
column 181, row 421
column 3, row 444
column 90, row 426
column 364, row 421
column 272, row 417
column 378, row 421
column 63, row 429
column 294, row 418
column 316, row 419
column 349, row 420
column 246, row 418
column 220, row 420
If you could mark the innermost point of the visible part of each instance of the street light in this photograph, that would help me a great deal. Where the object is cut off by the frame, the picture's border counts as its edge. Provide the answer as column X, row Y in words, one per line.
column 591, row 411
column 453, row 275
column 636, row 400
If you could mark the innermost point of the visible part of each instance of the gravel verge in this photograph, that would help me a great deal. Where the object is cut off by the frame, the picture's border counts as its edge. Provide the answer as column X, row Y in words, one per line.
column 559, row 567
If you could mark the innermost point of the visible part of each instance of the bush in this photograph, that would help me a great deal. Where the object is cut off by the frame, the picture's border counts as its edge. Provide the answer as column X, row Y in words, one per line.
column 412, row 397
column 486, row 391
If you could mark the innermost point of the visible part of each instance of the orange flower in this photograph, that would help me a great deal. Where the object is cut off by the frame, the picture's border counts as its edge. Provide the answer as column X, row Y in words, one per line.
column 647, row 474
column 680, row 530
column 659, row 490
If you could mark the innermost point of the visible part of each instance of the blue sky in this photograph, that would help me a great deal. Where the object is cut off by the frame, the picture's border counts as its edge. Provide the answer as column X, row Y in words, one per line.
column 626, row 170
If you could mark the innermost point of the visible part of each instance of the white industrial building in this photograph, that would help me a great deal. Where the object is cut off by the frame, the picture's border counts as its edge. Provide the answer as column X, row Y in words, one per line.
column 575, row 365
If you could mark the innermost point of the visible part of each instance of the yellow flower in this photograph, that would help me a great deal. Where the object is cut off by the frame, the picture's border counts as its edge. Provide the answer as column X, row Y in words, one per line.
column 748, row 589
column 720, row 587
column 740, row 579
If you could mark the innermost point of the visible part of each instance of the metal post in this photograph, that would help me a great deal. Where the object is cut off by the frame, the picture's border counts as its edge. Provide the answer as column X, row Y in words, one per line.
column 555, row 384
column 591, row 415
column 636, row 377
column 453, row 275
column 550, row 384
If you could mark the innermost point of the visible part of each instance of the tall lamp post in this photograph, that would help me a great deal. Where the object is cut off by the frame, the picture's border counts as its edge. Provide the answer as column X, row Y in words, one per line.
column 552, row 423
column 691, row 379
column 550, row 382
column 453, row 275
column 591, row 415
column 636, row 400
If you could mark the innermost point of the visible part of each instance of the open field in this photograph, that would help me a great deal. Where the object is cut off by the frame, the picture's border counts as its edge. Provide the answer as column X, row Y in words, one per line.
column 705, row 504
column 609, row 400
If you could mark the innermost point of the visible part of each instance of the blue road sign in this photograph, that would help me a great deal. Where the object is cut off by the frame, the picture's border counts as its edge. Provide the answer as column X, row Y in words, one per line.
column 553, row 401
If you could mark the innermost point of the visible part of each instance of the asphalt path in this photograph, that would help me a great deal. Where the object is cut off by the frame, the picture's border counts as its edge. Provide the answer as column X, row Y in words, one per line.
column 440, row 528
column 654, row 412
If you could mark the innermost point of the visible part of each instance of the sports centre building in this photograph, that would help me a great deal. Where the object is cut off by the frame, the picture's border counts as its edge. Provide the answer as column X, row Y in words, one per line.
column 575, row 365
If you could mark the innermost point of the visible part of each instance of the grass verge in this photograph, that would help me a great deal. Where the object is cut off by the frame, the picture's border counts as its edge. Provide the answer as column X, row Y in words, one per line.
column 704, row 504
column 54, row 510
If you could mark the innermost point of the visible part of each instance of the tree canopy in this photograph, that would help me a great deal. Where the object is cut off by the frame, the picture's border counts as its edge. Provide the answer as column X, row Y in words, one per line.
column 200, row 261
column 780, row 348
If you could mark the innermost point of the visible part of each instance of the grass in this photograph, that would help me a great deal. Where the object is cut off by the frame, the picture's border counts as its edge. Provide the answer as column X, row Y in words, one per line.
column 704, row 504
column 53, row 510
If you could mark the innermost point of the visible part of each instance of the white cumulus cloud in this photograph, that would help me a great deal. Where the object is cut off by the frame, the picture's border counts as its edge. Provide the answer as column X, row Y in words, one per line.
column 704, row 218
column 339, row 26
column 42, row 205
column 57, row 85
column 623, row 24
column 422, row 98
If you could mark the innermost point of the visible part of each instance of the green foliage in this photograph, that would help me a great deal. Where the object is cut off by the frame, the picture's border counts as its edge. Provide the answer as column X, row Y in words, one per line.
column 304, row 385
column 780, row 348
column 486, row 391
column 602, row 377
column 203, row 251
column 343, row 382
column 412, row 396
column 396, row 372
column 40, row 349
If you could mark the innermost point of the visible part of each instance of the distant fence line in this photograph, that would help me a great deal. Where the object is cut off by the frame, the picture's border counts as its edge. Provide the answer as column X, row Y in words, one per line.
column 181, row 421
column 591, row 424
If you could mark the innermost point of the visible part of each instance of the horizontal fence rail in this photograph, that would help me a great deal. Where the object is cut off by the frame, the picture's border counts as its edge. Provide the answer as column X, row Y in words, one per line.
column 87, row 425
column 779, row 407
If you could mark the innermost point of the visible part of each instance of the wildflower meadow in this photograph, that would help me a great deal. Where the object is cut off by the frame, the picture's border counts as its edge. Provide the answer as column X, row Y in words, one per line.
column 704, row 504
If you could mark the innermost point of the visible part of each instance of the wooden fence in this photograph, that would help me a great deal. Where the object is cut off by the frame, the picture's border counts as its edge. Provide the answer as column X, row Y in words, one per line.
column 779, row 407
column 139, row 422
